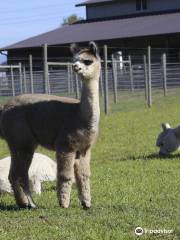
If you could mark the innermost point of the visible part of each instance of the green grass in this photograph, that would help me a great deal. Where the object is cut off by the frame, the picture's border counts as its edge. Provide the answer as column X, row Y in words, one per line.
column 131, row 186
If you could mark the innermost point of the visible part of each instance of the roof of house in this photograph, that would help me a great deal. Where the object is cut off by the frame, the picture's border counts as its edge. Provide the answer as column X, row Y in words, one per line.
column 93, row 2
column 105, row 30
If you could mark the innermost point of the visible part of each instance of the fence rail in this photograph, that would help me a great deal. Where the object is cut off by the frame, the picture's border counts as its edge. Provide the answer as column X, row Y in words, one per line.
column 116, row 76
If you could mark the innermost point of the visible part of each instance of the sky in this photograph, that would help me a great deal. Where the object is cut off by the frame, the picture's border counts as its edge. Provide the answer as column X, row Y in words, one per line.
column 21, row 19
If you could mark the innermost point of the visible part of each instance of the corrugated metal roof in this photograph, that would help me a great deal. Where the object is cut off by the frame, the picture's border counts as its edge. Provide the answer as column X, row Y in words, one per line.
column 93, row 2
column 106, row 30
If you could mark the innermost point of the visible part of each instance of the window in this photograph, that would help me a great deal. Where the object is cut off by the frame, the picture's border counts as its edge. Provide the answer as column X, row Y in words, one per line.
column 141, row 5
column 144, row 4
column 138, row 5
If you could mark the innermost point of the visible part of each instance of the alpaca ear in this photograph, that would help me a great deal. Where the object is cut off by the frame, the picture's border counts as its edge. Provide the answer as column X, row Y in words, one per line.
column 165, row 126
column 74, row 48
column 93, row 48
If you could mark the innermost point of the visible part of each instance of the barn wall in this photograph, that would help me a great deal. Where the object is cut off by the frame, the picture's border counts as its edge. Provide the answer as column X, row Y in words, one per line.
column 127, row 7
column 128, row 45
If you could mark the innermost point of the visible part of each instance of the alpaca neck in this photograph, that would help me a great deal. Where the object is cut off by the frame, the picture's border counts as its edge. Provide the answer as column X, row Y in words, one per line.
column 89, row 104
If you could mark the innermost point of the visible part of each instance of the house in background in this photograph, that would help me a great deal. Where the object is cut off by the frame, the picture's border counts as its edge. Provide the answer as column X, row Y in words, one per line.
column 126, row 26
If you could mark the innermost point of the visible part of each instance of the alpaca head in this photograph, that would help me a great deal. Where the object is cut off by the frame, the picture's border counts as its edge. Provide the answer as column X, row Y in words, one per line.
column 86, row 61
column 167, row 140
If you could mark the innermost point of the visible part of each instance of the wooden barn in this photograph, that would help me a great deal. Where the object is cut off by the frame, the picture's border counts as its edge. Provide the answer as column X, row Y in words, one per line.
column 126, row 26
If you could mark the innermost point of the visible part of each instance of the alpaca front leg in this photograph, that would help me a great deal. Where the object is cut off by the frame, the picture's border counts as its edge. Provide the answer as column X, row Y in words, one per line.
column 65, row 174
column 82, row 175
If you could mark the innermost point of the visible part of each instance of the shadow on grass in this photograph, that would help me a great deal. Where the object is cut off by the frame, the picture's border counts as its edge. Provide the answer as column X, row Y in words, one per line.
column 151, row 157
column 4, row 207
column 11, row 207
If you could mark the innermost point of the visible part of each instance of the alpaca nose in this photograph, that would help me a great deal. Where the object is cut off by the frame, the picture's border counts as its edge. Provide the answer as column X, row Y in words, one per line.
column 76, row 67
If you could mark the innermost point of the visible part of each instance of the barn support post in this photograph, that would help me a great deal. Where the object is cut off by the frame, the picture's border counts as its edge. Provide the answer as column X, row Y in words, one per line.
column 20, row 78
column 131, row 73
column 105, row 80
column 45, row 61
column 31, row 73
column 24, row 78
column 68, row 78
column 164, row 65
column 145, row 78
column 149, row 78
column 12, row 81
column 114, row 74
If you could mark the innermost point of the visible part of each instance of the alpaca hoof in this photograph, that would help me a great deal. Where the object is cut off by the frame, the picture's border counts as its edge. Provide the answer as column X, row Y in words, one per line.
column 27, row 206
column 86, row 206
column 23, row 206
column 64, row 205
column 32, row 206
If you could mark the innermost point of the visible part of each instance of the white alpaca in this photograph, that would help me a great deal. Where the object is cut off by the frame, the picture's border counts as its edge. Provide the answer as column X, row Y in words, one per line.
column 42, row 169
column 168, row 140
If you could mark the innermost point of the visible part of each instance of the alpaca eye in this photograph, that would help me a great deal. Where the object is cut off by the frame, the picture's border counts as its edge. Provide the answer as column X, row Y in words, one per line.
column 87, row 62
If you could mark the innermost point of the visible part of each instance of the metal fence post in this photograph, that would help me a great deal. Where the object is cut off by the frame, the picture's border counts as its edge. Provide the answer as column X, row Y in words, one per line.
column 31, row 73
column 101, row 83
column 164, row 73
column 114, row 73
column 45, row 56
column 76, row 86
column 24, row 77
column 145, row 77
column 149, row 78
column 131, row 73
column 105, row 80
column 20, row 78
column 12, row 81
column 72, row 79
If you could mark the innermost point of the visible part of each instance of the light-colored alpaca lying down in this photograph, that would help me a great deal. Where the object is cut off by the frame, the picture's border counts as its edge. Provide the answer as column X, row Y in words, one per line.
column 42, row 169
column 168, row 140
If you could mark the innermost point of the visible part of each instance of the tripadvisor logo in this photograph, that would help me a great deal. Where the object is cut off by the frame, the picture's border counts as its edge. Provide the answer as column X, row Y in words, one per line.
column 139, row 231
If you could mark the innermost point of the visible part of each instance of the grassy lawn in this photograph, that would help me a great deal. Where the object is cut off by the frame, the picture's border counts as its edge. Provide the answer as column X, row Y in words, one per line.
column 131, row 185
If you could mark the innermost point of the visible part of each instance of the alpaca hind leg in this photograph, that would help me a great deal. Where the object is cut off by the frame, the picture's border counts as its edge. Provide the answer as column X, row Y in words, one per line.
column 18, row 177
column 65, row 174
column 82, row 175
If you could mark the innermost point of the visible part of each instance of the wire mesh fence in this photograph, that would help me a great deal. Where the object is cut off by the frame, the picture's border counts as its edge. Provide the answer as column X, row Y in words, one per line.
column 128, row 76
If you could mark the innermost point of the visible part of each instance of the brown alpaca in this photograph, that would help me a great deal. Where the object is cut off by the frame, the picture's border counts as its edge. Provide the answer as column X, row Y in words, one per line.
column 65, row 125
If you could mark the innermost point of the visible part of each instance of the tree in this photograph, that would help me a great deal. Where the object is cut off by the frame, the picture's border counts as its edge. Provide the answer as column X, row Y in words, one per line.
column 71, row 19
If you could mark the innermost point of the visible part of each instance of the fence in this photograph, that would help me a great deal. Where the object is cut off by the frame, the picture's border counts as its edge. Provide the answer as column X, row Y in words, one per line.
column 8, row 85
column 117, row 76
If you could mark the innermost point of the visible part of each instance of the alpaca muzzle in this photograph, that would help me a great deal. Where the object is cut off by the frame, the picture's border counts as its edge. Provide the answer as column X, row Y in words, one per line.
column 76, row 68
